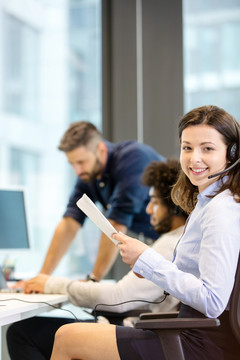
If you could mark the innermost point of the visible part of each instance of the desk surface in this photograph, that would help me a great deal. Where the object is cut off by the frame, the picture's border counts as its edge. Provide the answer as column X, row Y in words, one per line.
column 18, row 306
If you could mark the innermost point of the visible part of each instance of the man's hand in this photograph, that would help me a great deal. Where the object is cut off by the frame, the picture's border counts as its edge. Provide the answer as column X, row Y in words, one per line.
column 17, row 285
column 36, row 284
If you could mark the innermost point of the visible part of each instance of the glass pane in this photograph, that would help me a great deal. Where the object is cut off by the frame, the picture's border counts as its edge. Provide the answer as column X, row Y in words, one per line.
column 211, row 31
column 20, row 68
column 50, row 75
column 24, row 168
column 85, row 61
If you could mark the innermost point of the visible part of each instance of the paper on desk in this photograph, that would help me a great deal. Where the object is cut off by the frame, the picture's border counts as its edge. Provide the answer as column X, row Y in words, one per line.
column 91, row 210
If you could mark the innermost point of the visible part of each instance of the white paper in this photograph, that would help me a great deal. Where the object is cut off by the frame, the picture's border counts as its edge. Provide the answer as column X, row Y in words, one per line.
column 91, row 210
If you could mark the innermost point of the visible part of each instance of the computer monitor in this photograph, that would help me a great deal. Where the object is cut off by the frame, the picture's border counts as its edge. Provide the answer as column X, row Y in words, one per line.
column 14, row 232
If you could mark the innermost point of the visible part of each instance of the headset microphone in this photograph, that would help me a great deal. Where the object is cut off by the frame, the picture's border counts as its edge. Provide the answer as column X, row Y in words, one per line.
column 225, row 170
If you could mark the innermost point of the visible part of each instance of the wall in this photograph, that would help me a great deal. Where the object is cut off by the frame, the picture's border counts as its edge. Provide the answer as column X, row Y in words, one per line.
column 142, row 72
column 142, row 80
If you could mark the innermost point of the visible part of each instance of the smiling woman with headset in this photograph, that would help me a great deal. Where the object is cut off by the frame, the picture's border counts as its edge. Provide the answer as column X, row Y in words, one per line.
column 202, row 273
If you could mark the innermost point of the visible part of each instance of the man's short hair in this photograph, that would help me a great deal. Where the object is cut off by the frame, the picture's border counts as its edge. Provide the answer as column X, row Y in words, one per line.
column 162, row 176
column 81, row 133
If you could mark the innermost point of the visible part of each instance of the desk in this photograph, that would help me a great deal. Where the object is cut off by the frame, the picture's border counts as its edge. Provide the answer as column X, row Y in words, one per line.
column 16, row 309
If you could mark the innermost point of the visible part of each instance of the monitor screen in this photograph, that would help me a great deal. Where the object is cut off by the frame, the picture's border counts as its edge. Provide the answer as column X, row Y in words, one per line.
column 13, row 220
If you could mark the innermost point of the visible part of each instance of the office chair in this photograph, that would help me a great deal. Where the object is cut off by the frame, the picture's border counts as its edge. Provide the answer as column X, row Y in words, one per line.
column 168, row 327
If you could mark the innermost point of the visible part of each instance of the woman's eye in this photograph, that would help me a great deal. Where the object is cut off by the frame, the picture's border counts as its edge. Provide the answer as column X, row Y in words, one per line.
column 186, row 148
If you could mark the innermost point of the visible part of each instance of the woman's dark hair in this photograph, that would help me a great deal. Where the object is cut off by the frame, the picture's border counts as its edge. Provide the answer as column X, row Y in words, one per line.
column 184, row 194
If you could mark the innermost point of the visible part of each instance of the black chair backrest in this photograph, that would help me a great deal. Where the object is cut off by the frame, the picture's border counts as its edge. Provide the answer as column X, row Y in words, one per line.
column 234, row 308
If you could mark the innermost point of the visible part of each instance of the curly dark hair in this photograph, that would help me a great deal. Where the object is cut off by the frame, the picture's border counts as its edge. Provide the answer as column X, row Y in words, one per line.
column 162, row 176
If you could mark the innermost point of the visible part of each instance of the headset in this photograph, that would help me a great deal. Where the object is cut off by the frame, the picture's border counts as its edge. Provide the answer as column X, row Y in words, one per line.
column 231, row 156
column 232, row 152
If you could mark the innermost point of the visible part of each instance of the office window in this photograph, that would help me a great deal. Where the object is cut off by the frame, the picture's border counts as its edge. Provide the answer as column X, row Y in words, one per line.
column 85, row 102
column 24, row 168
column 50, row 76
column 20, row 46
column 85, row 61
column 211, row 54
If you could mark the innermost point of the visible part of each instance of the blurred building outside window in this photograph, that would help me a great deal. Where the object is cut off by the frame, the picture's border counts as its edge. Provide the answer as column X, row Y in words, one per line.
column 50, row 76
column 211, row 31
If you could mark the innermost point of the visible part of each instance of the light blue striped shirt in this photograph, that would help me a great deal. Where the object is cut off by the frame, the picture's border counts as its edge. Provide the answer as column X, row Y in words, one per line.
column 202, row 273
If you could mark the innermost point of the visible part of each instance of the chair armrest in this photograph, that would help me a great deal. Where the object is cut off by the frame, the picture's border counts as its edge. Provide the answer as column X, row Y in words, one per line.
column 177, row 323
column 158, row 315
column 122, row 315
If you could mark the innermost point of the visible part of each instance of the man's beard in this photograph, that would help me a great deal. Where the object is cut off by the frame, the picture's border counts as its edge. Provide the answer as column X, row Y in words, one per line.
column 97, row 170
column 164, row 225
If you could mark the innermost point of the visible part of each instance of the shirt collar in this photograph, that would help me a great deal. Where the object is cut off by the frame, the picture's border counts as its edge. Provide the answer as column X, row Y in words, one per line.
column 110, row 148
column 212, row 188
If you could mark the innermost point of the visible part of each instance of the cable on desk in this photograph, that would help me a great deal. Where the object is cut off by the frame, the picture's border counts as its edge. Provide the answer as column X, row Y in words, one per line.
column 95, row 308
column 42, row 302
column 129, row 301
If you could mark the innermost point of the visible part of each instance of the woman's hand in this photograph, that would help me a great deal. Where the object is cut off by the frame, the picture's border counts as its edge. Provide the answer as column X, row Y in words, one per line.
column 36, row 284
column 130, row 248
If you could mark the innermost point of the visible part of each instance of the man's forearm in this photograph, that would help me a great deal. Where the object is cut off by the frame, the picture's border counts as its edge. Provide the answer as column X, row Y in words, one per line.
column 107, row 253
column 61, row 241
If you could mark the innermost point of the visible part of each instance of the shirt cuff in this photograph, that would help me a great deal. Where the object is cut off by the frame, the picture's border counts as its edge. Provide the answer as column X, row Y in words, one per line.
column 56, row 285
column 147, row 262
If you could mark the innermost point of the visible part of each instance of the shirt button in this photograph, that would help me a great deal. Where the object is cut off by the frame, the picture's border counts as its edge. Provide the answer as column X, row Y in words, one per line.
column 109, row 206
column 101, row 184
column 141, row 271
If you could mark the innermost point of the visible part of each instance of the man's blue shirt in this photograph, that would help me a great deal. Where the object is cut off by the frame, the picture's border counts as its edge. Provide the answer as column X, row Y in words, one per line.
column 119, row 190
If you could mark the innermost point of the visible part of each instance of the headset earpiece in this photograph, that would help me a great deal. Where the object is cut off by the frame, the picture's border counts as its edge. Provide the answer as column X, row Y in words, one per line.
column 232, row 157
column 232, row 152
